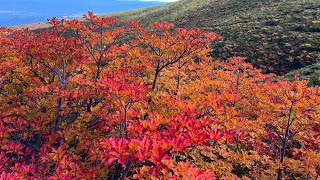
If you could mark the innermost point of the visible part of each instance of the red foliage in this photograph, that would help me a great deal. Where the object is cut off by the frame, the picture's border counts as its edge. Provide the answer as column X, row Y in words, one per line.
column 106, row 100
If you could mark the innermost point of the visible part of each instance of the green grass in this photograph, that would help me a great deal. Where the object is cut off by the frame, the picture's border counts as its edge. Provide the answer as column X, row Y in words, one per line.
column 277, row 36
column 312, row 73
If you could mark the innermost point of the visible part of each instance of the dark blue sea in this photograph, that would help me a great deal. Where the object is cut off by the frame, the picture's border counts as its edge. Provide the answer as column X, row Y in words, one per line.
column 19, row 12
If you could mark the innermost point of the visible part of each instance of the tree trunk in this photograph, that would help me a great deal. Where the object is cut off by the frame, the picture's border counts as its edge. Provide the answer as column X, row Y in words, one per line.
column 284, row 142
column 156, row 76
column 58, row 115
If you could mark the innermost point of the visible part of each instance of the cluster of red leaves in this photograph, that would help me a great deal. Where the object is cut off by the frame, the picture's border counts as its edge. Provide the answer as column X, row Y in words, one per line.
column 112, row 101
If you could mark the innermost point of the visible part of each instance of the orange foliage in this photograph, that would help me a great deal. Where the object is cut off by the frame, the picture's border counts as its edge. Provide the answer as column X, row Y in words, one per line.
column 112, row 101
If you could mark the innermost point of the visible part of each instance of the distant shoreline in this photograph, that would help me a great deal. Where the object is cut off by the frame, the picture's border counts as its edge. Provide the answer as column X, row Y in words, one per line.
column 40, row 25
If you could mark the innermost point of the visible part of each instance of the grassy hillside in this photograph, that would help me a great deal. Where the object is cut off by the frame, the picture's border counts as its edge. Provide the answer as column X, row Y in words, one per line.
column 277, row 36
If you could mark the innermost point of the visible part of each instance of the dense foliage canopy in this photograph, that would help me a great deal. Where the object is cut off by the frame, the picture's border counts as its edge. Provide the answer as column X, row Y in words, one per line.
column 105, row 100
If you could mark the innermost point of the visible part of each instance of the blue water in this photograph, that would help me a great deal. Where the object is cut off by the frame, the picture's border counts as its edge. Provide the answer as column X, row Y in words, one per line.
column 18, row 12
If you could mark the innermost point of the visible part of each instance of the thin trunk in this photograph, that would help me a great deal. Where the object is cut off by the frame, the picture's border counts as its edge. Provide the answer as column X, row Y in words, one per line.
column 58, row 115
column 284, row 143
column 98, row 71
column 121, row 131
column 156, row 76
column 126, row 171
column 123, row 126
column 178, row 81
column 89, row 105
column 178, row 78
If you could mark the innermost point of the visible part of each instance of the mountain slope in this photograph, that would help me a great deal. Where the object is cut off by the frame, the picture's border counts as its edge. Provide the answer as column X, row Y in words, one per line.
column 277, row 36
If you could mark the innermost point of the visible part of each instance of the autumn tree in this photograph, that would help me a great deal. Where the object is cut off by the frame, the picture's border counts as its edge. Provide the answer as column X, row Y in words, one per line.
column 103, row 99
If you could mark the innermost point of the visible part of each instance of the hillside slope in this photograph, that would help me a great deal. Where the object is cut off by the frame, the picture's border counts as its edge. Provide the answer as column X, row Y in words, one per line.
column 276, row 36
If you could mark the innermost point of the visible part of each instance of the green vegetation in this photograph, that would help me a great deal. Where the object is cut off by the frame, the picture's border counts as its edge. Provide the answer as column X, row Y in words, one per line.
column 276, row 36
column 311, row 72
